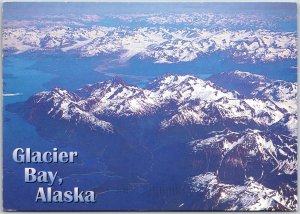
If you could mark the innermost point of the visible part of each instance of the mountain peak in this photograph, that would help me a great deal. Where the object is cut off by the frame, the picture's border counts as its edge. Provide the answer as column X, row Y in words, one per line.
column 59, row 91
column 117, row 80
column 171, row 79
column 245, row 74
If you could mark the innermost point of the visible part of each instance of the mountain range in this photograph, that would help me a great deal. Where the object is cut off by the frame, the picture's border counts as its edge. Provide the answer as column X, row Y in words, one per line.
column 159, row 44
column 232, row 134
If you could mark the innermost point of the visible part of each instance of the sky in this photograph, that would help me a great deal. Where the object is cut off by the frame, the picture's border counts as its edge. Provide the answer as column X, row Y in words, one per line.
column 24, row 10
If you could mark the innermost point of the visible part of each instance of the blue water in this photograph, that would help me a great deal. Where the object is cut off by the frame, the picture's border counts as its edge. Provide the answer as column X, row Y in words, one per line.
column 21, row 75
column 30, row 73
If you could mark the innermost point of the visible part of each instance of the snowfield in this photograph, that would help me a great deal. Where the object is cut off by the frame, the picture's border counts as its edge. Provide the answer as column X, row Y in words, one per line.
column 162, row 45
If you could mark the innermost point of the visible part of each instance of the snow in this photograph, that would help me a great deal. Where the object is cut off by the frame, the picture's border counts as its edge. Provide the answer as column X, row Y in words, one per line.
column 251, row 196
column 194, row 99
column 77, row 45
column 270, row 148
column 162, row 45
column 66, row 107
column 263, row 106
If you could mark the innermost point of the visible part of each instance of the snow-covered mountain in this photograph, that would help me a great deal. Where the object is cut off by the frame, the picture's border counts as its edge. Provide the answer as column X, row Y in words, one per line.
column 243, row 82
column 62, row 105
column 247, row 197
column 200, row 19
column 161, row 44
column 251, row 153
column 242, row 141
column 255, row 87
column 180, row 100
column 116, row 98
column 212, row 20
